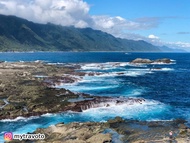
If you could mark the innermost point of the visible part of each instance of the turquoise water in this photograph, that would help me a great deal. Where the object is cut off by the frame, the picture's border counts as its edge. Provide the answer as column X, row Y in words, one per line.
column 166, row 89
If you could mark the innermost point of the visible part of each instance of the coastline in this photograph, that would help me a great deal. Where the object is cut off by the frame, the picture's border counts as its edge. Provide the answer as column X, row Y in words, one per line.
column 115, row 130
column 27, row 94
column 27, row 89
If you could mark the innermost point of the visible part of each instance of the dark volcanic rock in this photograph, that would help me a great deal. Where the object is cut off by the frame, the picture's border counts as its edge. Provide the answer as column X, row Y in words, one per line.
column 144, row 61
column 30, row 96
column 2, row 103
column 27, row 95
column 165, row 60
column 131, row 131
column 148, row 61
column 58, row 80
column 76, row 133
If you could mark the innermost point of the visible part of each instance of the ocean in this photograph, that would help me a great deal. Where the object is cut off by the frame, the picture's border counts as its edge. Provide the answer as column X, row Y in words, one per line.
column 165, row 87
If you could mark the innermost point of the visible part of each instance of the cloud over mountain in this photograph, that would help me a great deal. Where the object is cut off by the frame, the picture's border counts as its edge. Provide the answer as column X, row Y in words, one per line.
column 76, row 13
column 63, row 12
column 68, row 12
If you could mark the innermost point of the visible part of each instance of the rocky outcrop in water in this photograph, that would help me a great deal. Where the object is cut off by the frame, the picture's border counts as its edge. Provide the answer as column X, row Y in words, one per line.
column 148, row 61
column 105, row 102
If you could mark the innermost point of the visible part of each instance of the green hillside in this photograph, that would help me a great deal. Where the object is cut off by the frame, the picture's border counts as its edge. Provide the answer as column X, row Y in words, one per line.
column 18, row 34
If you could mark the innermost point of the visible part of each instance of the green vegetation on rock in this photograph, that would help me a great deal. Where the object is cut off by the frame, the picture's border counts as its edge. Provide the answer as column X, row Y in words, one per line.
column 18, row 34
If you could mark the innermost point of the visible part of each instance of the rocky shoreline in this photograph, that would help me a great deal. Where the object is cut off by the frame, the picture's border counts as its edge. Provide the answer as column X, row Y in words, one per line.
column 27, row 89
column 27, row 95
column 116, row 130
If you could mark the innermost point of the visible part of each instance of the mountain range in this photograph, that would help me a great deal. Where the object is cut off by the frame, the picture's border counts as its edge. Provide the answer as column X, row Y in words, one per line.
column 17, row 34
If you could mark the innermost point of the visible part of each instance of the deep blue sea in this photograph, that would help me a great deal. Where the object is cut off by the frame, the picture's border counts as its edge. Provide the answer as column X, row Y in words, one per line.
column 166, row 87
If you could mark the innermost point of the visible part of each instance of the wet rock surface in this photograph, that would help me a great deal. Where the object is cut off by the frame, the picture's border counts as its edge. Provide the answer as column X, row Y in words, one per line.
column 88, row 132
column 151, row 132
column 24, row 87
column 117, row 130
column 27, row 89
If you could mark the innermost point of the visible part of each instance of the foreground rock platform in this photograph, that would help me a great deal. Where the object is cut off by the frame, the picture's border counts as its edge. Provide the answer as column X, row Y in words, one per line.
column 26, row 89
column 117, row 131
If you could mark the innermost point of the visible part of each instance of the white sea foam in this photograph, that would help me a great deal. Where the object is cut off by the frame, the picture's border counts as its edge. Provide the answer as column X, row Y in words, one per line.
column 39, row 61
column 136, row 65
column 20, row 118
column 167, row 69
column 89, row 79
column 123, row 64
column 157, row 119
column 135, row 92
column 161, row 63
column 47, row 115
column 117, row 64
column 172, row 60
column 63, row 85
column 92, row 66
column 105, row 66
column 161, row 69
column 86, row 88
column 133, row 73
column 148, row 109
column 40, row 76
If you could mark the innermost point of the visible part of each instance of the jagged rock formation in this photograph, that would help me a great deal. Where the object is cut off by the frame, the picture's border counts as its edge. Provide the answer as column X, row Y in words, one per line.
column 117, row 130
column 148, row 61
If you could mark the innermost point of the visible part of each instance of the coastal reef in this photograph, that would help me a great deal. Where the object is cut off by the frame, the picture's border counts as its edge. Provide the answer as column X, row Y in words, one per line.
column 29, row 89
column 24, row 89
column 117, row 130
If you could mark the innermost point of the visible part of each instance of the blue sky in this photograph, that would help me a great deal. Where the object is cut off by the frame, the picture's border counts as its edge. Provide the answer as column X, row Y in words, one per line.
column 160, row 22
column 172, row 17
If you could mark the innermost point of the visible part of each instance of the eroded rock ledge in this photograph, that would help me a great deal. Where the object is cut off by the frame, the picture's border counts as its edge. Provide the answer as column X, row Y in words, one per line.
column 27, row 89
column 148, row 61
column 117, row 130
column 25, row 92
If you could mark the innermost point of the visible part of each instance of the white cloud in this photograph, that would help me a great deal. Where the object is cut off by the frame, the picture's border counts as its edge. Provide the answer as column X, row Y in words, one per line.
column 63, row 12
column 179, row 44
column 183, row 44
column 113, row 25
column 153, row 37
column 68, row 12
